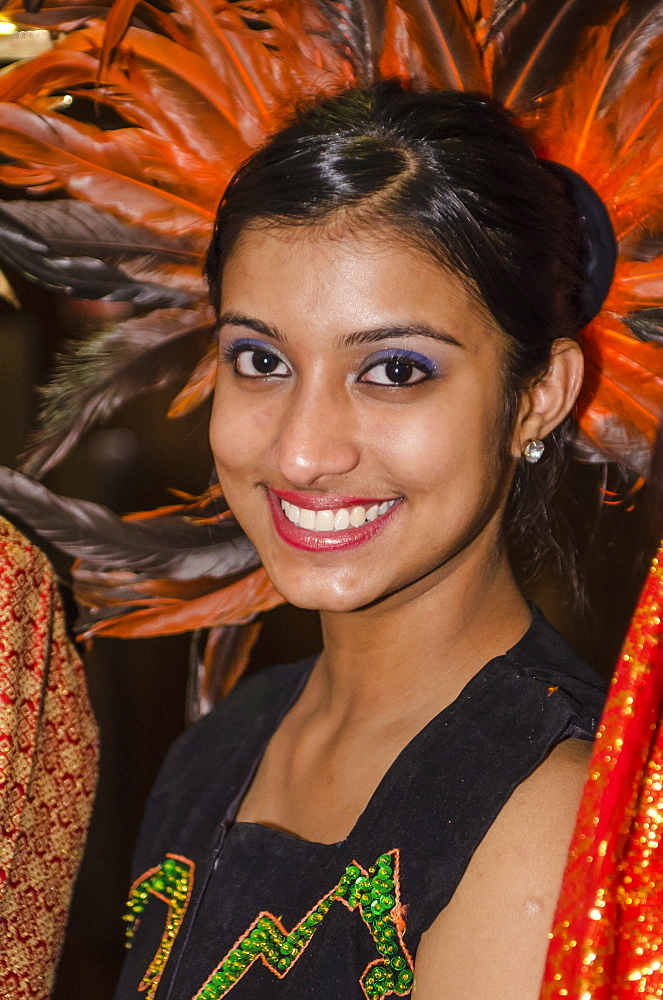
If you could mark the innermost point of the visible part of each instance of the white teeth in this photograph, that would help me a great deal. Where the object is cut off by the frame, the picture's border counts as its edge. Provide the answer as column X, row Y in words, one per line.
column 342, row 519
column 357, row 516
column 306, row 518
column 324, row 520
column 291, row 511
column 338, row 519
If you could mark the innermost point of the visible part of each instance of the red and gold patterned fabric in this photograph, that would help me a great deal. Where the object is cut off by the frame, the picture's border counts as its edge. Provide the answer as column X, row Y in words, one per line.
column 607, row 938
column 48, row 768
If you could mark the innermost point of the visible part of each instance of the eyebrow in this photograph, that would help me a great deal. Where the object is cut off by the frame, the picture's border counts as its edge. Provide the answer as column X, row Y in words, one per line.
column 376, row 334
column 232, row 318
column 371, row 336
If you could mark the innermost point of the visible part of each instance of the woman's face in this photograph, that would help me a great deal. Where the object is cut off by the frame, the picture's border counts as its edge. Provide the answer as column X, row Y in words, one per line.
column 356, row 423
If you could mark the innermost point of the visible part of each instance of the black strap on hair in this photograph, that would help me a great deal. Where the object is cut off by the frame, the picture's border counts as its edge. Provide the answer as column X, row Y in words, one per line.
column 598, row 255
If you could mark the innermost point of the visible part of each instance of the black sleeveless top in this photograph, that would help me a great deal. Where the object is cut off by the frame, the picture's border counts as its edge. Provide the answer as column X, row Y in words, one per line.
column 221, row 908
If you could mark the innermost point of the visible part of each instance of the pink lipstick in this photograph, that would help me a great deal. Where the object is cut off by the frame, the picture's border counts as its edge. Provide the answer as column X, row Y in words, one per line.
column 319, row 523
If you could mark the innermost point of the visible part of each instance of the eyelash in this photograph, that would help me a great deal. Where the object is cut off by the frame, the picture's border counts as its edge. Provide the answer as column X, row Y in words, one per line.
column 234, row 351
column 416, row 361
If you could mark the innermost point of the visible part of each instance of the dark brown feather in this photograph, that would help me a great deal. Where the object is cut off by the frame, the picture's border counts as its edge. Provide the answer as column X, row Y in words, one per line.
column 537, row 43
column 642, row 244
column 635, row 34
column 503, row 11
column 99, row 374
column 75, row 247
column 441, row 39
column 214, row 672
column 179, row 546
column 647, row 324
column 359, row 25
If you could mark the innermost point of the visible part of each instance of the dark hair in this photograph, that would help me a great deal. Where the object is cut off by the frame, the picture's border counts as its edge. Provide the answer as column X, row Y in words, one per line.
column 450, row 173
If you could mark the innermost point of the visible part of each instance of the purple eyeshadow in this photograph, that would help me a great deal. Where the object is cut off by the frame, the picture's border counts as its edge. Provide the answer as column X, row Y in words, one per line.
column 399, row 354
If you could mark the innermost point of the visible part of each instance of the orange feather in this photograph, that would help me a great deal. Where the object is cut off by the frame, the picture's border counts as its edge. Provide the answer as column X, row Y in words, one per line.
column 199, row 387
column 232, row 604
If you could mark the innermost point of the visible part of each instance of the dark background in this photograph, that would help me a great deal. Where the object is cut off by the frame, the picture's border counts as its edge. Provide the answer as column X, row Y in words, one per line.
column 138, row 687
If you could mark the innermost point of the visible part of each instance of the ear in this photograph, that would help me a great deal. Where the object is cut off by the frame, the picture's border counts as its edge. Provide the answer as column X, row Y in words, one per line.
column 548, row 400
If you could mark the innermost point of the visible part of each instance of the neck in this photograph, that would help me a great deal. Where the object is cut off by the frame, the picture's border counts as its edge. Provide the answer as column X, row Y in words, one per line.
column 420, row 646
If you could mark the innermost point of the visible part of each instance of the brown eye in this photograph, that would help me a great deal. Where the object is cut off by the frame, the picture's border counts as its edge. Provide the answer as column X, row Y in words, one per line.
column 399, row 371
column 395, row 371
column 263, row 363
column 253, row 364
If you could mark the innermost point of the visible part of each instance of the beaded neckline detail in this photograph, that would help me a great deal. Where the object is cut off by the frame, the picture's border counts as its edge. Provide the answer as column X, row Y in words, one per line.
column 373, row 892
column 171, row 882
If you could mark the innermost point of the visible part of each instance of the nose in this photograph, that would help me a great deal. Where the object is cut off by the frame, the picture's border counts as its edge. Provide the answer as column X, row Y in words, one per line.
column 317, row 437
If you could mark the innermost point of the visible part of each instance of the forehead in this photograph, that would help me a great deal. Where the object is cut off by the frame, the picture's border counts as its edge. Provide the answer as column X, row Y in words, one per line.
column 335, row 281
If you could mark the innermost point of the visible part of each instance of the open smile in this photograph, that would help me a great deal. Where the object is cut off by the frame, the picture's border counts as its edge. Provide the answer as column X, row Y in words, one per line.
column 323, row 522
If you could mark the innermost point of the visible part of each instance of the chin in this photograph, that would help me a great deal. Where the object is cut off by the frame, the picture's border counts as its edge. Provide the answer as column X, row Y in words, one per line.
column 339, row 604
column 316, row 594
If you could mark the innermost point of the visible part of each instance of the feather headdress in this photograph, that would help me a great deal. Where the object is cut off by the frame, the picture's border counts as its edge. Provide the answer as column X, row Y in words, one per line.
column 126, row 213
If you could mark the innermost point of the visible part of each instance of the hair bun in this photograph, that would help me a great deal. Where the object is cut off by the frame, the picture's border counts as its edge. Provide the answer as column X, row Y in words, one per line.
column 598, row 255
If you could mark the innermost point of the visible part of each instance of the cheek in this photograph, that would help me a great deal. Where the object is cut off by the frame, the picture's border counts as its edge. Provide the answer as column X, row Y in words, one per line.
column 452, row 441
column 239, row 432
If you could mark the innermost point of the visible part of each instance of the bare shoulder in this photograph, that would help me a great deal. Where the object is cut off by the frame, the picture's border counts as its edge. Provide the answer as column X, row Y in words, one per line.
column 533, row 831
column 567, row 761
column 552, row 792
column 524, row 852
column 491, row 940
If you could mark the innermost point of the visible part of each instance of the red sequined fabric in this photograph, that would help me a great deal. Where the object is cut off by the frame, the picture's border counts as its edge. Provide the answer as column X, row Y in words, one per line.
column 607, row 938
column 48, row 768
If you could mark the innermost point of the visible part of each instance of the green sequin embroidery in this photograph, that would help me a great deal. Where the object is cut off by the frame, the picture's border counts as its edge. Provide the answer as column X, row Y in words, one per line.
column 171, row 882
column 375, row 893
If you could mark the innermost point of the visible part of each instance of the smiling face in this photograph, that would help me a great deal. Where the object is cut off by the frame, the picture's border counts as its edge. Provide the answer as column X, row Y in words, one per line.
column 356, row 425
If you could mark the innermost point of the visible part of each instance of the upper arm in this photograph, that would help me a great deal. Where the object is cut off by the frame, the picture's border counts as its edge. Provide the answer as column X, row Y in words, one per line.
column 491, row 940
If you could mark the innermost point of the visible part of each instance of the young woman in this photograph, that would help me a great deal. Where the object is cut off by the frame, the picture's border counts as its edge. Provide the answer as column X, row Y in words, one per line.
column 399, row 289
